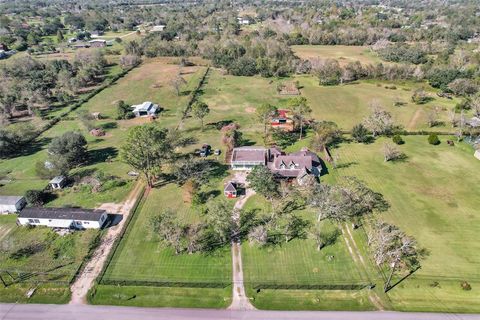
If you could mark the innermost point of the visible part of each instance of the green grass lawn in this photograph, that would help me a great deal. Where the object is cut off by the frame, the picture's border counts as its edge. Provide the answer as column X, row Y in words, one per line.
column 298, row 263
column 348, row 104
column 42, row 269
column 235, row 98
column 344, row 54
column 162, row 296
column 433, row 198
column 141, row 256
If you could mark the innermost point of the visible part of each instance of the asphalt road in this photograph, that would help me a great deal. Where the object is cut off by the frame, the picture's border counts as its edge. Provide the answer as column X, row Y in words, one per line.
column 88, row 312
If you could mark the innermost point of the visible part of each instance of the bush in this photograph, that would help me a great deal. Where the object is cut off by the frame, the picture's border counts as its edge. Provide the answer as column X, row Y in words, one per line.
column 35, row 197
column 397, row 139
column 466, row 286
column 360, row 133
column 433, row 139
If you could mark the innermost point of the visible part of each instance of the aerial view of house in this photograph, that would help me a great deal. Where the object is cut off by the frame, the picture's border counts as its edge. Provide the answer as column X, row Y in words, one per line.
column 206, row 159
column 69, row 218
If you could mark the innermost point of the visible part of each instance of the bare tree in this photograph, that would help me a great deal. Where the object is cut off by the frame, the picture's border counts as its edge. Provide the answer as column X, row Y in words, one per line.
column 391, row 152
column 476, row 106
column 432, row 117
column 349, row 200
column 177, row 83
column 394, row 248
column 258, row 235
column 452, row 117
column 379, row 121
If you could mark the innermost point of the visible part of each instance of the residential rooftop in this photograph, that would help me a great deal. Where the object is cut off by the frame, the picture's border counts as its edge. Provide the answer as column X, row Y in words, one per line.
column 61, row 213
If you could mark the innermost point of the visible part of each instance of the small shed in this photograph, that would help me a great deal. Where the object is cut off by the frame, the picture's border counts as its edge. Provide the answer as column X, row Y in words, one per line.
column 230, row 190
column 11, row 204
column 145, row 109
column 58, row 182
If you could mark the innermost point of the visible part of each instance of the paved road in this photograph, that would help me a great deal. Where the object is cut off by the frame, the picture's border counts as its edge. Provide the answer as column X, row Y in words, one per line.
column 88, row 312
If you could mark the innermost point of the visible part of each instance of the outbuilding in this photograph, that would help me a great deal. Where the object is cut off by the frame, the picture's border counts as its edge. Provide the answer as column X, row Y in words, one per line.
column 477, row 154
column 69, row 218
column 230, row 190
column 11, row 204
column 58, row 182
column 98, row 43
column 145, row 109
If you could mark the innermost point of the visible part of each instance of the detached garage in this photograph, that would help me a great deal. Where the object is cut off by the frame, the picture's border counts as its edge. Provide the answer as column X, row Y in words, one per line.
column 69, row 218
column 11, row 204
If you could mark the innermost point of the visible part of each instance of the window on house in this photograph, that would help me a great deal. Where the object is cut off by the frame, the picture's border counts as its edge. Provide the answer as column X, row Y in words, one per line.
column 36, row 221
column 30, row 221
column 86, row 222
column 79, row 223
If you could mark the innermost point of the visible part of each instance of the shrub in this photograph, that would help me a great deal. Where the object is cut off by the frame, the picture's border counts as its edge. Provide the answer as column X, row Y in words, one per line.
column 433, row 139
column 466, row 286
column 397, row 139
column 35, row 197
column 360, row 133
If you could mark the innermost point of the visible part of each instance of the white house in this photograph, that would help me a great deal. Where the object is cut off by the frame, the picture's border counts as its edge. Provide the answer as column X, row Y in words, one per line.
column 158, row 28
column 58, row 182
column 70, row 218
column 11, row 204
column 145, row 109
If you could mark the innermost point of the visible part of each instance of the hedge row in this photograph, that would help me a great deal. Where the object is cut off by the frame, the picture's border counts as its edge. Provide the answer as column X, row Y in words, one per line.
column 194, row 95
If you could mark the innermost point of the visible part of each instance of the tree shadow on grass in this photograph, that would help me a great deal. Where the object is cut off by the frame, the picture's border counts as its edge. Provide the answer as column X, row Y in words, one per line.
column 346, row 164
column 102, row 155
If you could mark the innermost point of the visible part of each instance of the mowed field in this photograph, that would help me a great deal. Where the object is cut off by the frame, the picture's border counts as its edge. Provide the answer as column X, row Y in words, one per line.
column 142, row 256
column 344, row 54
column 434, row 198
column 235, row 98
column 50, row 274
column 297, row 264
column 349, row 104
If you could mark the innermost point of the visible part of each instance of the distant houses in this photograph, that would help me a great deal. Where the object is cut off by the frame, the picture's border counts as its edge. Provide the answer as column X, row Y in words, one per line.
column 11, row 204
column 145, row 109
column 69, row 218
column 297, row 165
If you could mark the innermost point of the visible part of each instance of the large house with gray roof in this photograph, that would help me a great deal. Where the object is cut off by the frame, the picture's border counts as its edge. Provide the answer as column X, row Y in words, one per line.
column 296, row 165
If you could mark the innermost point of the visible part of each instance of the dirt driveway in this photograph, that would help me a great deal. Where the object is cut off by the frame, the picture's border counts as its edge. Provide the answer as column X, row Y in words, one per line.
column 85, row 280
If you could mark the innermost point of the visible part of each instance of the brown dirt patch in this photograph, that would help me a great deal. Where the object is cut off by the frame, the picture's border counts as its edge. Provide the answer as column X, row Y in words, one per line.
column 250, row 110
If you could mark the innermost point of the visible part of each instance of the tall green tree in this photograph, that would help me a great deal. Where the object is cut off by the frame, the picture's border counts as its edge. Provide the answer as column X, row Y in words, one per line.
column 60, row 37
column 68, row 150
column 264, row 112
column 147, row 148
column 300, row 109
column 200, row 110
